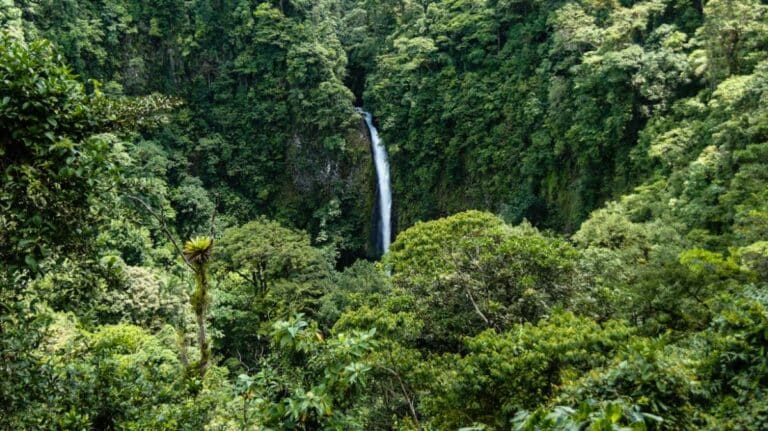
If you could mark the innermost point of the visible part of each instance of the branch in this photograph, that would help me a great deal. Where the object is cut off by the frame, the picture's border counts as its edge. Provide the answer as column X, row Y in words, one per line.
column 474, row 261
column 161, row 218
column 248, row 279
column 182, row 344
column 213, row 216
column 405, row 394
column 477, row 309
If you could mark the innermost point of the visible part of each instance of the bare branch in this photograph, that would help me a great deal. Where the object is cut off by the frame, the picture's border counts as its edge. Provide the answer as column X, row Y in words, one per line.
column 405, row 394
column 477, row 309
column 213, row 216
column 161, row 218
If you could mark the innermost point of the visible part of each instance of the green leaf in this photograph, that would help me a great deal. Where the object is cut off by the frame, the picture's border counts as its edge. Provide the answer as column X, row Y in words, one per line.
column 31, row 262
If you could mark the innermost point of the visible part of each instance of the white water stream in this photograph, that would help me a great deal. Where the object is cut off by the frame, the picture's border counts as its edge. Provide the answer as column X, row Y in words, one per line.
column 385, row 192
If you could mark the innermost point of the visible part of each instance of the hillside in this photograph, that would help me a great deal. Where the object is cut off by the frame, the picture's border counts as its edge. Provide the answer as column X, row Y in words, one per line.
column 195, row 215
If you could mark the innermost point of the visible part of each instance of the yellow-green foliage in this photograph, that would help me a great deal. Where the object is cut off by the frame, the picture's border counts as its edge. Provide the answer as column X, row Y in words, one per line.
column 504, row 373
column 118, row 377
column 471, row 271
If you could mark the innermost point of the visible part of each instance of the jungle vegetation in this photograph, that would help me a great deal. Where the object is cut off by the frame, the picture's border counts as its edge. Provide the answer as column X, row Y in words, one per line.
column 581, row 205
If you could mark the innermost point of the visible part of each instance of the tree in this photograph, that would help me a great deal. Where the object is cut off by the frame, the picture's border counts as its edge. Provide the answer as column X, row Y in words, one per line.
column 307, row 383
column 732, row 37
column 268, row 272
column 61, row 169
column 503, row 374
column 116, row 377
column 197, row 254
column 471, row 271
column 56, row 167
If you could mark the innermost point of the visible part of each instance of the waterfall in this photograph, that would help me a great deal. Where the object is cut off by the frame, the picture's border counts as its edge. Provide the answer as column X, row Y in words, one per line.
column 385, row 193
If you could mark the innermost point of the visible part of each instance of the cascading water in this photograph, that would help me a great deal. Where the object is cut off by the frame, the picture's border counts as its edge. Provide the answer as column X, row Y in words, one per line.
column 385, row 192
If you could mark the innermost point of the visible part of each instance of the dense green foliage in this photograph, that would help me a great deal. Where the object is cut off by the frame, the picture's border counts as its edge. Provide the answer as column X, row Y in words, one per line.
column 471, row 271
column 539, row 109
column 254, row 78
column 580, row 188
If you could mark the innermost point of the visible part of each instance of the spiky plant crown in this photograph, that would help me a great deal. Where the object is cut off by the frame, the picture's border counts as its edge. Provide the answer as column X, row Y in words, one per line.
column 198, row 250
